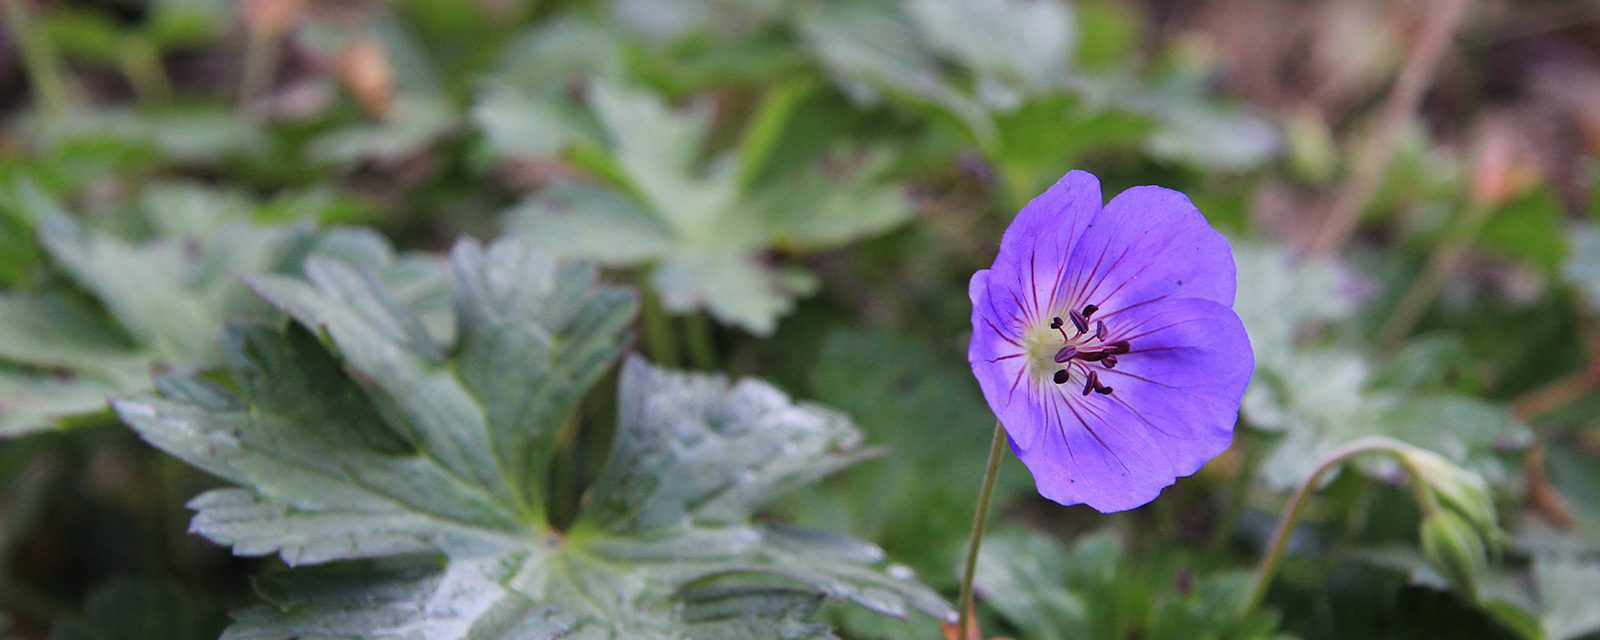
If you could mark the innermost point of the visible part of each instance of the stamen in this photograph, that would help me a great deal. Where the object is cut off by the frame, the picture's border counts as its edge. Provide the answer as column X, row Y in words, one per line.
column 1078, row 321
column 1088, row 311
column 1093, row 356
column 1105, row 391
column 1066, row 353
column 1055, row 323
column 1091, row 384
column 1120, row 347
column 1100, row 329
column 1060, row 377
column 1110, row 362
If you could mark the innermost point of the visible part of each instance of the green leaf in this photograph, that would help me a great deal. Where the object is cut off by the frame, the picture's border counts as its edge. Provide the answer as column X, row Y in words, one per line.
column 1582, row 267
column 1529, row 229
column 1568, row 589
column 198, row 135
column 702, row 234
column 413, row 123
column 873, row 50
column 160, row 301
column 1098, row 589
column 1318, row 397
column 1015, row 49
column 923, row 407
column 424, row 458
column 1323, row 399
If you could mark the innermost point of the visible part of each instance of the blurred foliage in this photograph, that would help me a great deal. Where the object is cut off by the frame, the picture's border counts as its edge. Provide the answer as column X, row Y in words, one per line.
column 800, row 190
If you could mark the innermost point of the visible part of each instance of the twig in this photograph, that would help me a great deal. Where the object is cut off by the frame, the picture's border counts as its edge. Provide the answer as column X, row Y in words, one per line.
column 1441, row 262
column 1567, row 389
column 1372, row 161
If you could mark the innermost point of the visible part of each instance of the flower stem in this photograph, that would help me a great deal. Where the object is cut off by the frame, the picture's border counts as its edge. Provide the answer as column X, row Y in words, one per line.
column 660, row 340
column 697, row 335
column 39, row 56
column 979, row 517
column 1302, row 493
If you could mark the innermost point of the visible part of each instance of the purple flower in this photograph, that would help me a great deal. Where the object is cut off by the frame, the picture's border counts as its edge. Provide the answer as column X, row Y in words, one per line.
column 1104, row 339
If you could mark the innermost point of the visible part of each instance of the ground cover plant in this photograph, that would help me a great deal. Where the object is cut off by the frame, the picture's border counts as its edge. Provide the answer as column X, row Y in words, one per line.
column 799, row 319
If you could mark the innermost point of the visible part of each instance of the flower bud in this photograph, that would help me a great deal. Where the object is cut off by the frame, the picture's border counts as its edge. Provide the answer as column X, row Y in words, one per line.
column 1458, row 489
column 1454, row 548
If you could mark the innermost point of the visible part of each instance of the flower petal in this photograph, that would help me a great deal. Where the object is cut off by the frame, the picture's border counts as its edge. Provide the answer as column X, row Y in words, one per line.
column 1051, row 222
column 997, row 358
column 1033, row 254
column 1173, row 407
column 1149, row 243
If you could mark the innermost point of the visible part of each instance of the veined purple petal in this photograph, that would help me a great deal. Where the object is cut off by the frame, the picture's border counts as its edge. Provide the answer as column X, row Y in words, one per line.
column 998, row 359
column 1110, row 432
column 1149, row 243
column 1175, row 403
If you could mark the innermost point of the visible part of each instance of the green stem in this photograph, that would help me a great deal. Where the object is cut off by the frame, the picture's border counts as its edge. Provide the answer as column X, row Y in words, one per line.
column 980, row 516
column 1302, row 493
column 660, row 341
column 697, row 336
column 39, row 57
column 141, row 64
column 1416, row 300
column 1238, row 493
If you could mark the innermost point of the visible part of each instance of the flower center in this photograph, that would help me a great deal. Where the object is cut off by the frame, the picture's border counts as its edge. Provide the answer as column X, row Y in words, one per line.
column 1077, row 352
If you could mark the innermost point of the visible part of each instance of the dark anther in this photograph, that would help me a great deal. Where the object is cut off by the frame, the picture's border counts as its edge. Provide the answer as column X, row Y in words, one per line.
column 1088, row 311
column 1066, row 353
column 1110, row 362
column 1100, row 329
column 1060, row 377
column 1079, row 321
column 1055, row 323
column 1120, row 347
column 1091, row 384
column 1093, row 356
column 1103, row 390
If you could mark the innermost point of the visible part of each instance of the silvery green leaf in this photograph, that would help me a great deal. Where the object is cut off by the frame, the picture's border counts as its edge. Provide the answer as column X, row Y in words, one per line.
column 700, row 231
column 413, row 122
column 1023, row 578
column 31, row 402
column 527, row 108
column 1016, row 48
column 410, row 466
column 522, row 123
column 664, row 21
column 602, row 225
column 144, row 287
column 1568, row 589
column 1193, row 127
column 1280, row 296
column 737, row 289
column 136, row 304
column 1096, row 588
column 874, row 51
column 199, row 136
column 1323, row 399
column 1582, row 269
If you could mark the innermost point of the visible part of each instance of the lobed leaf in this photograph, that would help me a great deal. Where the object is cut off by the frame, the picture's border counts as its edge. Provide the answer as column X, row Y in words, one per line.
column 411, row 467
